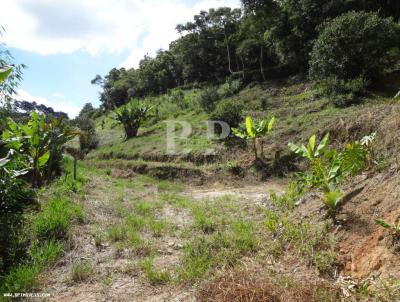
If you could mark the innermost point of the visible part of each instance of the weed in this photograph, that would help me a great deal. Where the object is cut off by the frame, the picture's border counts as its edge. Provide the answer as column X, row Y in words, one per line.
column 117, row 233
column 46, row 253
column 81, row 271
column 20, row 279
column 154, row 276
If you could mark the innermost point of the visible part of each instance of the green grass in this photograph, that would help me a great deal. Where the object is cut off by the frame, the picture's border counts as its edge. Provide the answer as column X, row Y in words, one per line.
column 81, row 271
column 117, row 233
column 45, row 253
column 56, row 218
column 42, row 231
column 155, row 277
column 226, row 247
column 20, row 279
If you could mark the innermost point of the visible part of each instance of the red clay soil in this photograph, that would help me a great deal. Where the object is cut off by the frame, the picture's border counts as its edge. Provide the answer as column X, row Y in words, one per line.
column 365, row 248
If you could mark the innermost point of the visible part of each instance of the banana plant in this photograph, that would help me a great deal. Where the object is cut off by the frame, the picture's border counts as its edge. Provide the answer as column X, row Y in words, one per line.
column 311, row 151
column 394, row 228
column 330, row 167
column 254, row 131
column 39, row 141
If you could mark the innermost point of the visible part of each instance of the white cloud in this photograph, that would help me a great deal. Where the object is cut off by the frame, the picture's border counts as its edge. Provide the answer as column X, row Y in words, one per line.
column 64, row 26
column 58, row 105
column 58, row 95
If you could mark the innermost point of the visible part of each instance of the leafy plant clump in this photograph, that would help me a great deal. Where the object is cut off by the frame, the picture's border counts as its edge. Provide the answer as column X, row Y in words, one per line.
column 131, row 117
column 329, row 167
column 208, row 98
column 228, row 111
column 255, row 131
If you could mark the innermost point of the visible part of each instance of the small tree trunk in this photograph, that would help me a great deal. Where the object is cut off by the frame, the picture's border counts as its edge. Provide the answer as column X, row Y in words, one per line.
column 262, row 62
column 75, row 165
column 131, row 131
column 262, row 148
column 255, row 148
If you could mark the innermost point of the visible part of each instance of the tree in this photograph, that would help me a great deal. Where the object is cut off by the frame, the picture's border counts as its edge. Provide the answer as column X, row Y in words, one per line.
column 353, row 50
column 131, row 116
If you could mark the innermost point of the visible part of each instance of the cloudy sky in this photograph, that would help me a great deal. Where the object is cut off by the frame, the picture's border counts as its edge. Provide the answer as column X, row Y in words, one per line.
column 65, row 43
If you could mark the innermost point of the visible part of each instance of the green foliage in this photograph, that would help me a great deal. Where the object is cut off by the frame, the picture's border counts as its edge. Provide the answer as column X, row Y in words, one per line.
column 40, row 142
column 393, row 228
column 88, row 139
column 131, row 116
column 155, row 277
column 20, row 279
column 352, row 50
column 228, row 111
column 343, row 92
column 310, row 151
column 4, row 73
column 55, row 219
column 397, row 96
column 229, row 88
column 215, row 250
column 328, row 168
column 208, row 98
column 45, row 253
column 255, row 131
column 81, row 271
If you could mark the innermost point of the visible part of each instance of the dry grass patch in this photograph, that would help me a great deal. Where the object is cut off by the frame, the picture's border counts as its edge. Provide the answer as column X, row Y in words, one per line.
column 241, row 286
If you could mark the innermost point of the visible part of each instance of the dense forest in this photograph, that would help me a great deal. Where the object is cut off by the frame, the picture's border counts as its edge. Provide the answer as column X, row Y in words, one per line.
column 282, row 183
column 343, row 43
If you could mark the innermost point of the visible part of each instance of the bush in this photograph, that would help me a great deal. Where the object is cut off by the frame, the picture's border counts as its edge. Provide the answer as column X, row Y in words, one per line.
column 131, row 116
column 229, row 88
column 177, row 96
column 343, row 92
column 208, row 98
column 89, row 139
column 352, row 50
column 229, row 112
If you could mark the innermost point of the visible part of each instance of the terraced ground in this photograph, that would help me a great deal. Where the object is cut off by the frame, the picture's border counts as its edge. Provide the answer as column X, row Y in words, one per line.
column 198, row 227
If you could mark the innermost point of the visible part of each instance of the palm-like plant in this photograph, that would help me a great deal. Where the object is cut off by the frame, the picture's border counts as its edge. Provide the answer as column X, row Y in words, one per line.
column 254, row 131
column 40, row 142
column 131, row 116
column 311, row 151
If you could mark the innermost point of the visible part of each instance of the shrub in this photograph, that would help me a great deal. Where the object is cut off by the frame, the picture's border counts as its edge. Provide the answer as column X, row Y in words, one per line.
column 131, row 116
column 352, row 50
column 229, row 88
column 343, row 92
column 88, row 140
column 229, row 112
column 208, row 98
column 329, row 167
column 177, row 96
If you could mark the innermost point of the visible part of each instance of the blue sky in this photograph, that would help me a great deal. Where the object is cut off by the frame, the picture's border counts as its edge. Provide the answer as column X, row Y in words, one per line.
column 65, row 43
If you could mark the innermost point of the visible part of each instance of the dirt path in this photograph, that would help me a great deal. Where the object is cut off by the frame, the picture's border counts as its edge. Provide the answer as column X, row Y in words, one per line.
column 115, row 272
column 256, row 193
